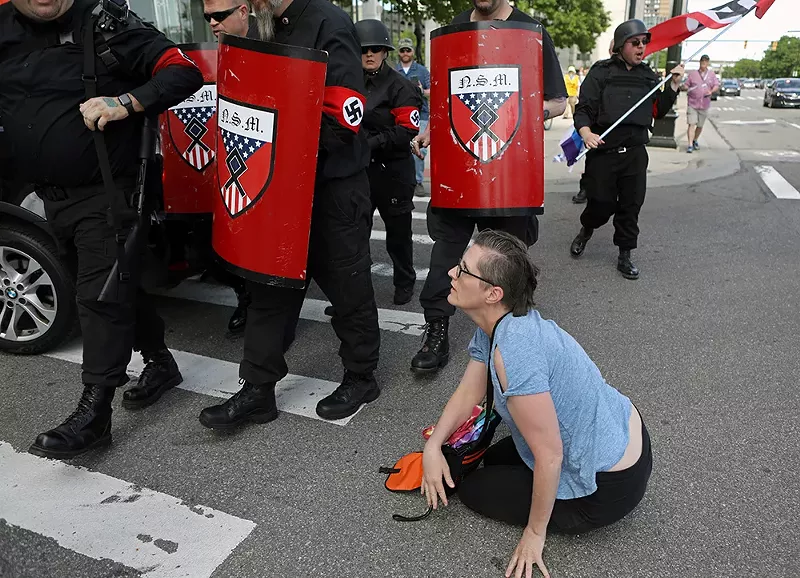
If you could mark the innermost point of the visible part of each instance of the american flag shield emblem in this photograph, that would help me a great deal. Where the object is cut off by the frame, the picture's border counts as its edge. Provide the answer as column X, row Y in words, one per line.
column 245, row 145
column 485, row 109
column 192, row 126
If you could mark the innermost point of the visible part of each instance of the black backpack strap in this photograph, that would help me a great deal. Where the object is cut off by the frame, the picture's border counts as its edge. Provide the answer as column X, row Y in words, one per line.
column 489, row 383
column 120, row 212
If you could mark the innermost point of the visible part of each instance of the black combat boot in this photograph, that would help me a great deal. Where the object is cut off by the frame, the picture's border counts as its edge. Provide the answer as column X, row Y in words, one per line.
column 239, row 318
column 356, row 388
column 403, row 295
column 435, row 352
column 87, row 428
column 255, row 403
column 579, row 244
column 160, row 374
column 624, row 265
column 580, row 198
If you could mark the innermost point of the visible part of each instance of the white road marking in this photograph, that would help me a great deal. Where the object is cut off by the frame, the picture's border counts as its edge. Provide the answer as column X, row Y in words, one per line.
column 415, row 216
column 387, row 270
column 295, row 394
column 107, row 518
column 779, row 154
column 750, row 122
column 424, row 200
column 393, row 320
column 418, row 239
column 780, row 187
column 795, row 125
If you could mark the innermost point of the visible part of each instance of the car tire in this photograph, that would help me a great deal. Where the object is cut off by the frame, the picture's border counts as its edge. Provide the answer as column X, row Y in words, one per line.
column 55, row 293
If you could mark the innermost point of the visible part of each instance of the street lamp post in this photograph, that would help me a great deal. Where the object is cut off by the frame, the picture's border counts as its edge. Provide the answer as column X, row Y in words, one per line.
column 664, row 128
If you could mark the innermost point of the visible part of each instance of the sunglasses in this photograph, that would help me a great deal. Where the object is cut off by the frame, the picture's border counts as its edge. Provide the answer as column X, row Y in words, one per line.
column 461, row 268
column 221, row 15
column 373, row 49
column 405, row 50
column 636, row 43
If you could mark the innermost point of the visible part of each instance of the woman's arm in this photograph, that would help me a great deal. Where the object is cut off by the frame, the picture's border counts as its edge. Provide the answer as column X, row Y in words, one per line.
column 535, row 417
column 469, row 393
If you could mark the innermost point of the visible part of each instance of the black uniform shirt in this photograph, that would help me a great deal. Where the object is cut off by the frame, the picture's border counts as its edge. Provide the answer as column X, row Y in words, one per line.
column 609, row 90
column 393, row 114
column 553, row 85
column 321, row 25
column 41, row 91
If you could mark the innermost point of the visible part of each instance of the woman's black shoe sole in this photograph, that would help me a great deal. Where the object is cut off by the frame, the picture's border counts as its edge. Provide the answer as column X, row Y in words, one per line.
column 56, row 455
column 259, row 417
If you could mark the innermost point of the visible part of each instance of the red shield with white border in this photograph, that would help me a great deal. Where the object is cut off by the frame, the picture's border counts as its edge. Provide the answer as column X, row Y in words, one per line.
column 192, row 126
column 485, row 109
column 246, row 136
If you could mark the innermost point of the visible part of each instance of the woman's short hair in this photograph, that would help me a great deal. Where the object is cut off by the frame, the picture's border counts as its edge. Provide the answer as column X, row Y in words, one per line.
column 507, row 264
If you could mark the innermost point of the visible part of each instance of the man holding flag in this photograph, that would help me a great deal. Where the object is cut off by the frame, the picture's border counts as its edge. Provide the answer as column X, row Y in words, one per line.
column 616, row 166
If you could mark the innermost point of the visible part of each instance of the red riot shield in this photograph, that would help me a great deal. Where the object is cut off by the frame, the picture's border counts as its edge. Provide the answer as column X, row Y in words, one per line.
column 188, row 132
column 269, row 112
column 487, row 134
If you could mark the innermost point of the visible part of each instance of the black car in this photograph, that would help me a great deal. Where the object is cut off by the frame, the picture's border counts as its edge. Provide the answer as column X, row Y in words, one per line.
column 730, row 87
column 783, row 92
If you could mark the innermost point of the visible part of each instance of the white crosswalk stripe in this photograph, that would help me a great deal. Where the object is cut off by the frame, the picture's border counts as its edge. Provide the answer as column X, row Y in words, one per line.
column 392, row 320
column 780, row 187
column 418, row 239
column 103, row 517
column 295, row 394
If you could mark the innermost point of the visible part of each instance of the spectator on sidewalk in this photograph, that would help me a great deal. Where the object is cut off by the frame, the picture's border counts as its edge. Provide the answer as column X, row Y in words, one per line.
column 419, row 77
column 573, row 83
column 700, row 85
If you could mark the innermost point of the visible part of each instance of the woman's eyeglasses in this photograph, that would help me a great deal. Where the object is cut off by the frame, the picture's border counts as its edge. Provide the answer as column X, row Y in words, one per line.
column 373, row 49
column 636, row 42
column 221, row 15
column 461, row 268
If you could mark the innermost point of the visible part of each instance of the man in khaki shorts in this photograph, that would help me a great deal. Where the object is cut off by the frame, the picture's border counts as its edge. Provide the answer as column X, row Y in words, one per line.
column 700, row 85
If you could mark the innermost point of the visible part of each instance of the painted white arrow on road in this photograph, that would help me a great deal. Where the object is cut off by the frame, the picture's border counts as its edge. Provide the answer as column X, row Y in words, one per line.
column 743, row 122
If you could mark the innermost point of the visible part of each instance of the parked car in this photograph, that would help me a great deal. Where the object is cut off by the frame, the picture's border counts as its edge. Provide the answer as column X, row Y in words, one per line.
column 730, row 87
column 783, row 92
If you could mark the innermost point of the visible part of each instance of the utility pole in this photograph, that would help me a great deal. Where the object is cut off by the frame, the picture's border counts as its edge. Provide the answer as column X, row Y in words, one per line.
column 664, row 128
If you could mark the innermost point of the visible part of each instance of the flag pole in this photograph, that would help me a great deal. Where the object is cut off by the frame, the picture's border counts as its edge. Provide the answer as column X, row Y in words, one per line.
column 662, row 83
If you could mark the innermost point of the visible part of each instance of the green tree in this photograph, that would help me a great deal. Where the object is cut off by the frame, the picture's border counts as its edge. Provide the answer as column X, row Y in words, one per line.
column 745, row 68
column 785, row 61
column 569, row 22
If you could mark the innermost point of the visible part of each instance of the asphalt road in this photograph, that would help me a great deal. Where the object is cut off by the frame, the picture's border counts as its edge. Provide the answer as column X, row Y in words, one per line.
column 704, row 343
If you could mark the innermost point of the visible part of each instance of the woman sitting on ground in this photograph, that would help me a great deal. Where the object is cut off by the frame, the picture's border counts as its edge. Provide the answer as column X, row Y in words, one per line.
column 578, row 456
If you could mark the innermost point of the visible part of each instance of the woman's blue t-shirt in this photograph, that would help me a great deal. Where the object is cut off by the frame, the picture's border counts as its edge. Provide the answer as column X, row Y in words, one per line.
column 593, row 417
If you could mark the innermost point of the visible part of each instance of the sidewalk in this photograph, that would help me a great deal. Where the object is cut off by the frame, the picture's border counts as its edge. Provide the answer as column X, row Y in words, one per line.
column 668, row 167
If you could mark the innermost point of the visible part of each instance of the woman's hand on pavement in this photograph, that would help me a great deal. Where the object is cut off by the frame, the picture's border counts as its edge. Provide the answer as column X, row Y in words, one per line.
column 527, row 554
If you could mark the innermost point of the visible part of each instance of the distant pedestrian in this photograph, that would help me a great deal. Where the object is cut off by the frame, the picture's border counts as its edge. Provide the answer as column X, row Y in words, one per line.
column 700, row 85
column 573, row 83
column 421, row 78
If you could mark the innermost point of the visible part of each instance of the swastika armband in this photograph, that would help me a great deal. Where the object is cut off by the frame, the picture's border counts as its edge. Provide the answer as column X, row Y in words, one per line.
column 407, row 117
column 345, row 105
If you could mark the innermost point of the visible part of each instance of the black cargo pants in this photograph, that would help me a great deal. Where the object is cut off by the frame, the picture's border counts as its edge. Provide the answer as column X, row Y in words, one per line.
column 87, row 242
column 616, row 183
column 339, row 261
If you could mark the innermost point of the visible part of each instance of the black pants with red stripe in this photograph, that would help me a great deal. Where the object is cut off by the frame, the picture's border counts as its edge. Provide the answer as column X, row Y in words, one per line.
column 339, row 261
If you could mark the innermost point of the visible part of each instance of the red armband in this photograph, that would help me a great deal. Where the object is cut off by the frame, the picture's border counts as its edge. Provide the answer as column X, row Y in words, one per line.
column 655, row 109
column 345, row 105
column 407, row 117
column 173, row 57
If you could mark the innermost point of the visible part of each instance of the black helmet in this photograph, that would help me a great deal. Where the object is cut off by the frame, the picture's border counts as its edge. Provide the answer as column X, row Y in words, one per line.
column 373, row 33
column 628, row 30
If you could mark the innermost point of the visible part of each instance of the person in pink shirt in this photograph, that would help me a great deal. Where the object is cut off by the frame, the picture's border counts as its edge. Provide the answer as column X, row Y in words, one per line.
column 700, row 85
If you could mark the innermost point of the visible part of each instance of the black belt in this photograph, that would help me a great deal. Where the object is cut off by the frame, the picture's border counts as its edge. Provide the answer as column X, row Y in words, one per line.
column 617, row 150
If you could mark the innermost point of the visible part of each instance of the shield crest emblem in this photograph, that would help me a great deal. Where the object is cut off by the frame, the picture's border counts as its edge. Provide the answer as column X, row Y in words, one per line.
column 192, row 126
column 485, row 109
column 245, row 143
